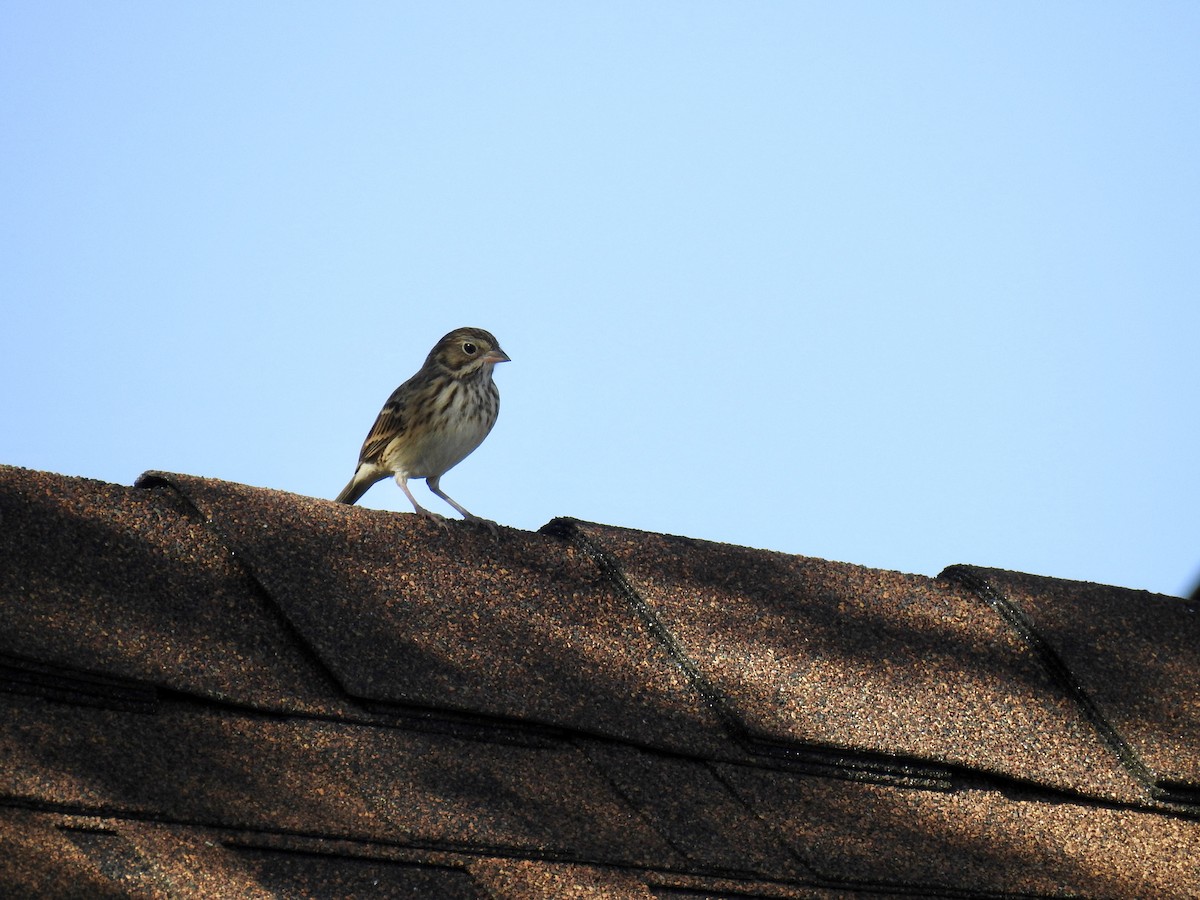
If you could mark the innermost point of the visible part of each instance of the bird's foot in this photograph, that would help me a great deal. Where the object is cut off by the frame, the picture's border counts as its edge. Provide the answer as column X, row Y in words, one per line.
column 437, row 518
column 491, row 526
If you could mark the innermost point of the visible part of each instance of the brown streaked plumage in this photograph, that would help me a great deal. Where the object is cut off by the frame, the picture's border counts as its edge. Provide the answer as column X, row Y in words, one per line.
column 434, row 420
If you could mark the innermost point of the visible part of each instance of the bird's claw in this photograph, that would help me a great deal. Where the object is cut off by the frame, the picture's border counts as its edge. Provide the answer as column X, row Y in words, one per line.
column 491, row 526
column 436, row 518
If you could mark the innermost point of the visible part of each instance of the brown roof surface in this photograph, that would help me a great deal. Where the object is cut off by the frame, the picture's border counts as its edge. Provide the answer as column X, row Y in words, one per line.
column 210, row 689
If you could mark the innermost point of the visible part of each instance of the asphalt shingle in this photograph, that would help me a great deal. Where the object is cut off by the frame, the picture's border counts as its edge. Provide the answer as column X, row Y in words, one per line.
column 208, row 689
column 511, row 628
column 1134, row 656
column 870, row 671
column 112, row 591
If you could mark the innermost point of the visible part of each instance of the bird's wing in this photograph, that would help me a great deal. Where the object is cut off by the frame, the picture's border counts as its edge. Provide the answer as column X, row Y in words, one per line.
column 392, row 423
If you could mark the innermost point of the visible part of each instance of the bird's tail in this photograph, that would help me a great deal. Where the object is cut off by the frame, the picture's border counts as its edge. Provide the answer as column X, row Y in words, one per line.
column 359, row 485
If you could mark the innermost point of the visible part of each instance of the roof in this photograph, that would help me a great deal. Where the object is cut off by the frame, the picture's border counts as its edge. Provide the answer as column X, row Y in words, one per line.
column 214, row 689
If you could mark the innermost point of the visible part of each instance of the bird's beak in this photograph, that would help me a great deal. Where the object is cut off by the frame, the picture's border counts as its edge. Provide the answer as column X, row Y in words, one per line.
column 496, row 356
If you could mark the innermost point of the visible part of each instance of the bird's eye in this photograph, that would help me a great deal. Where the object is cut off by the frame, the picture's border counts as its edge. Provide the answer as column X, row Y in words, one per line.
column 469, row 348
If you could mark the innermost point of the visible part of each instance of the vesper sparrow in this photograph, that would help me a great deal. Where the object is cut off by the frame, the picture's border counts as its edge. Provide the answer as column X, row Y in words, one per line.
column 434, row 420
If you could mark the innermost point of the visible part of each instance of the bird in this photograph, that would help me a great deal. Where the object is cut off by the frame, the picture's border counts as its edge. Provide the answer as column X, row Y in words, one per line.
column 434, row 420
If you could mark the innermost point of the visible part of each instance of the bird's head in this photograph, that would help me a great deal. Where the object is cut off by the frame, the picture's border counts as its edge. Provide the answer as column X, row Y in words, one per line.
column 465, row 351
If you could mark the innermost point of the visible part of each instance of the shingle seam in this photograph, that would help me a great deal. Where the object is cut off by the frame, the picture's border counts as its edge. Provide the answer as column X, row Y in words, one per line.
column 832, row 881
column 256, row 837
column 66, row 684
column 407, row 716
column 642, row 810
column 318, row 850
column 837, row 762
column 461, row 723
column 823, row 879
column 698, row 886
column 456, row 855
column 1058, row 670
column 154, row 479
column 459, row 856
column 611, row 570
column 370, row 848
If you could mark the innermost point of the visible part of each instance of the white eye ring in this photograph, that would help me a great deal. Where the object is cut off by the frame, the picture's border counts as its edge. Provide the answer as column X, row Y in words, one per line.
column 469, row 348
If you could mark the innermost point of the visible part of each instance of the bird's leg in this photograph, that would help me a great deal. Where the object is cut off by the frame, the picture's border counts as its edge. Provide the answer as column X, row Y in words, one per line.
column 433, row 486
column 402, row 480
column 466, row 514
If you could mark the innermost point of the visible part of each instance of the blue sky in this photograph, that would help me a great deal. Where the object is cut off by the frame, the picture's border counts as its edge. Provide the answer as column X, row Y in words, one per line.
column 898, row 284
